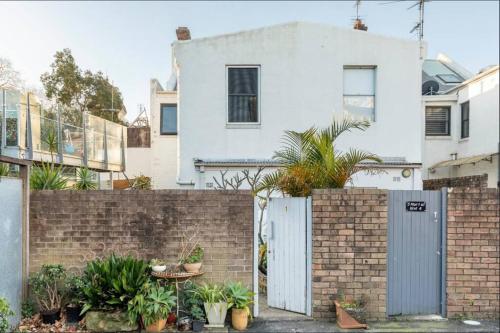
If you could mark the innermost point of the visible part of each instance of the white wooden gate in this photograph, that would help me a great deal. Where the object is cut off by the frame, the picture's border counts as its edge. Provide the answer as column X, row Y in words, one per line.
column 289, row 254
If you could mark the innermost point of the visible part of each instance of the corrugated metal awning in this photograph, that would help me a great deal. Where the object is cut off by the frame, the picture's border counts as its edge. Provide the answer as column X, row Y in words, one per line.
column 464, row 160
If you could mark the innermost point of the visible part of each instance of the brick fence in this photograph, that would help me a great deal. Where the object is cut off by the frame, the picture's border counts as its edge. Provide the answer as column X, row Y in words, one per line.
column 468, row 181
column 473, row 265
column 349, row 249
column 73, row 227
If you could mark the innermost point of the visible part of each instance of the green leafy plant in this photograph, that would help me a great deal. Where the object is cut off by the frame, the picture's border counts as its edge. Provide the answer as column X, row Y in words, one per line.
column 47, row 286
column 263, row 258
column 239, row 296
column 27, row 309
column 309, row 160
column 211, row 293
column 141, row 183
column 152, row 303
column 195, row 256
column 197, row 313
column 49, row 138
column 4, row 169
column 84, row 180
column 157, row 262
column 191, row 301
column 47, row 177
column 5, row 313
column 74, row 286
column 112, row 282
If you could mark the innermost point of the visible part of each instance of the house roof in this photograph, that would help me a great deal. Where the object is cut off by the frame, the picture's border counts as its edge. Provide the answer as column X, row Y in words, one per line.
column 480, row 75
column 441, row 73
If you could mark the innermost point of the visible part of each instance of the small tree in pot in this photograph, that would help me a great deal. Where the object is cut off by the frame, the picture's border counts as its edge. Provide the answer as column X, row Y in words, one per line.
column 74, row 289
column 192, row 304
column 239, row 298
column 47, row 286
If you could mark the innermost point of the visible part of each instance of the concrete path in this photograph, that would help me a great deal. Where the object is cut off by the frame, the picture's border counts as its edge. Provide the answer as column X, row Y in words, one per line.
column 388, row 326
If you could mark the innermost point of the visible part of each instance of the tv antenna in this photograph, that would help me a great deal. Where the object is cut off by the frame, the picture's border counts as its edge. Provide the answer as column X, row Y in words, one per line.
column 142, row 119
column 419, row 26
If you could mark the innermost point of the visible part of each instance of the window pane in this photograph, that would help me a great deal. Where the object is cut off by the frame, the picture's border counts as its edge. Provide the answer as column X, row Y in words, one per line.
column 360, row 105
column 243, row 109
column 437, row 121
column 242, row 81
column 359, row 81
column 168, row 119
column 465, row 120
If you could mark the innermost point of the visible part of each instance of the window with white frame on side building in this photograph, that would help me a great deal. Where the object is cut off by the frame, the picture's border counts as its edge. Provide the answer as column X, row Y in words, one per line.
column 437, row 121
column 359, row 90
column 464, row 123
column 243, row 94
column 168, row 119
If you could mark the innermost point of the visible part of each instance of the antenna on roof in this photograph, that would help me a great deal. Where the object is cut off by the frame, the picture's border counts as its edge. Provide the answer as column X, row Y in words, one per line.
column 142, row 118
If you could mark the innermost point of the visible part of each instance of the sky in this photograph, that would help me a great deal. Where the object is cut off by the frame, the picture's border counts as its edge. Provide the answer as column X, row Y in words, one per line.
column 130, row 41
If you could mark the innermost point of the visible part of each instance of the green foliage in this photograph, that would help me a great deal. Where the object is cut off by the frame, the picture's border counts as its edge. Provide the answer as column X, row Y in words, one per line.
column 49, row 138
column 197, row 313
column 310, row 160
column 111, row 283
column 195, row 256
column 27, row 309
column 74, row 286
column 191, row 301
column 152, row 303
column 84, row 180
column 238, row 296
column 5, row 313
column 142, row 183
column 47, row 286
column 4, row 169
column 210, row 293
column 263, row 257
column 47, row 177
column 157, row 262
column 72, row 87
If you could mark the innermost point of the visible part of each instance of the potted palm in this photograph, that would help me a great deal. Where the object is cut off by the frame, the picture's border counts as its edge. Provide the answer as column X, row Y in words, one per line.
column 47, row 286
column 214, row 301
column 192, row 263
column 239, row 298
column 152, row 304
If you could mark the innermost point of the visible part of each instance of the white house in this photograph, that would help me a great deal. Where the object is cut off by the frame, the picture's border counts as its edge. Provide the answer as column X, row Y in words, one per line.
column 231, row 97
column 461, row 123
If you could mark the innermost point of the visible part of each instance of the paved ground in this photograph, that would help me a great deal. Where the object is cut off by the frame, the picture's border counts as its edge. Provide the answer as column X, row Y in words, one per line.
column 279, row 326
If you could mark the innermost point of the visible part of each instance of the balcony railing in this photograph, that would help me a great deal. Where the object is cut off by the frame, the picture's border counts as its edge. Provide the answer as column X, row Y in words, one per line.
column 29, row 131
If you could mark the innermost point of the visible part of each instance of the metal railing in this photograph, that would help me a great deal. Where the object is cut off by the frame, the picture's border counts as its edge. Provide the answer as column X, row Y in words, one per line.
column 64, row 136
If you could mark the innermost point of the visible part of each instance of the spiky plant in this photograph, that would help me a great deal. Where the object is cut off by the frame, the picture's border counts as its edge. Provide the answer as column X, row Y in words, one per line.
column 47, row 177
column 309, row 160
column 84, row 180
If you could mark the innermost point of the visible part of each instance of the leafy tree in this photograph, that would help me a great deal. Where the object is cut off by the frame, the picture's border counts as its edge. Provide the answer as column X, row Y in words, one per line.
column 81, row 90
column 309, row 160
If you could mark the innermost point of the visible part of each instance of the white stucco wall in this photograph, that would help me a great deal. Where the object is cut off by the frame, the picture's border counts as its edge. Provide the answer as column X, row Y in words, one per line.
column 483, row 97
column 138, row 162
column 301, row 85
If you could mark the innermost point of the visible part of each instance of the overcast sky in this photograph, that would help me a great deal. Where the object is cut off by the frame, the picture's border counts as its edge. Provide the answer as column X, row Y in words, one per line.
column 130, row 41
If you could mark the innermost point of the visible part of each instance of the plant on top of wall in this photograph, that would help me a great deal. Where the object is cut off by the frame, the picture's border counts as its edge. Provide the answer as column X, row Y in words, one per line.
column 47, row 286
column 5, row 313
column 141, row 183
column 309, row 160
column 239, row 298
column 84, row 180
column 47, row 177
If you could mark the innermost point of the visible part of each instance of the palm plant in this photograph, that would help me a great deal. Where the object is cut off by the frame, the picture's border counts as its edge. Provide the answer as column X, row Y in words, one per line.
column 309, row 160
column 47, row 177
column 84, row 180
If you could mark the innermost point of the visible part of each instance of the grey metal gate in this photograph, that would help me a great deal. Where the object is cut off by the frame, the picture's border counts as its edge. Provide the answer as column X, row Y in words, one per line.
column 415, row 257
column 289, row 254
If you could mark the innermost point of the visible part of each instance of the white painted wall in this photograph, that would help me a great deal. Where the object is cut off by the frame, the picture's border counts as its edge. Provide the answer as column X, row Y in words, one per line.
column 138, row 162
column 301, row 86
column 483, row 131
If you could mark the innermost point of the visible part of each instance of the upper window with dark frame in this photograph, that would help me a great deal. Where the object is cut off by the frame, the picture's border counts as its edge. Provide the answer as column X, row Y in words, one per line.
column 243, row 94
column 465, row 116
column 437, row 121
column 168, row 119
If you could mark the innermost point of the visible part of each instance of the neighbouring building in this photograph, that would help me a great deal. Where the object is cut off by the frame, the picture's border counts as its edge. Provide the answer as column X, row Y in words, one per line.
column 231, row 97
column 461, row 131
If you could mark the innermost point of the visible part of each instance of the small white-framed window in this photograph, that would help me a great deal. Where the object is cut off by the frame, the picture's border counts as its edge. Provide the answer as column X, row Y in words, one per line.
column 243, row 94
column 359, row 91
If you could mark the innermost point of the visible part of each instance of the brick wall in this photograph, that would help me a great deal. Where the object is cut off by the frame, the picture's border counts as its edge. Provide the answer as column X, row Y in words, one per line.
column 73, row 227
column 349, row 249
column 468, row 181
column 473, row 265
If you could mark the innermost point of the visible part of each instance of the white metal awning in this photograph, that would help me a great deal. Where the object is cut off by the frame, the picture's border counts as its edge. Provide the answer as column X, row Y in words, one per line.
column 464, row 160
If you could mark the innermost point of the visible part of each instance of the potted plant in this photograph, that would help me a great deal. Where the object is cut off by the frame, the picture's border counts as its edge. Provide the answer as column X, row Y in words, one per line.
column 158, row 265
column 153, row 305
column 192, row 263
column 74, row 292
column 239, row 298
column 355, row 308
column 47, row 285
column 214, row 301
column 192, row 304
column 198, row 318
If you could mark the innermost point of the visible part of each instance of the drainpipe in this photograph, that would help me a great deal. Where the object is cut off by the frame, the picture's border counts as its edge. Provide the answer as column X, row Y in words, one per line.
column 29, row 139
column 59, row 136
column 85, row 149
column 105, row 146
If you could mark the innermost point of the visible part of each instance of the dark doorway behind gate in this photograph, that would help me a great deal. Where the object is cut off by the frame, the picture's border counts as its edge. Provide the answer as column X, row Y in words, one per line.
column 415, row 256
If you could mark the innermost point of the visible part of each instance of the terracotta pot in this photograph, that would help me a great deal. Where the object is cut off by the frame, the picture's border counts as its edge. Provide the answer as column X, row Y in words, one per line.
column 156, row 326
column 239, row 319
column 192, row 268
